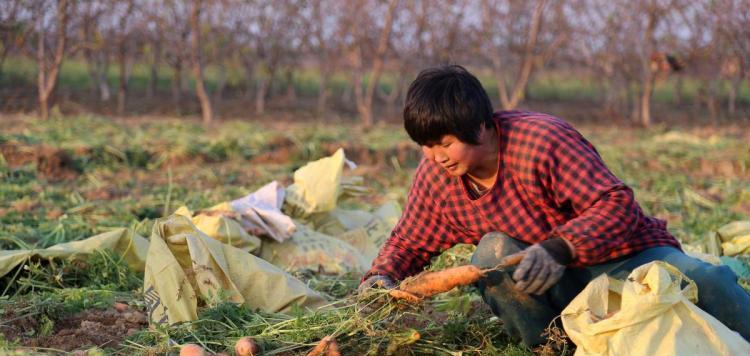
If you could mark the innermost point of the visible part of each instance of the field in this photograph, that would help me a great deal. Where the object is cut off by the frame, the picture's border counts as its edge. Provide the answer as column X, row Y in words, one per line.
column 73, row 177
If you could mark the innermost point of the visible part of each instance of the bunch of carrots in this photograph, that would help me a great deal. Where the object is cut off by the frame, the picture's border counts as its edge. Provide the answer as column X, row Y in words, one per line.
column 412, row 290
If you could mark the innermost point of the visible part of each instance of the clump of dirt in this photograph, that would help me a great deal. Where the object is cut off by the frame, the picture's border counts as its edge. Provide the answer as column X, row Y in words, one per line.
column 51, row 163
column 101, row 328
column 104, row 193
column 55, row 164
column 278, row 150
column 17, row 155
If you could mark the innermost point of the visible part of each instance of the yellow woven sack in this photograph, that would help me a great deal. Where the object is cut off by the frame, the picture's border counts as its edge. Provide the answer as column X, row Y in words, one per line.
column 184, row 265
column 648, row 314
column 309, row 249
column 216, row 224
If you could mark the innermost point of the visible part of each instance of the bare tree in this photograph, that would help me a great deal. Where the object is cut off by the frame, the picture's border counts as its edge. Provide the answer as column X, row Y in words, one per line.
column 357, row 52
column 733, row 29
column 705, row 54
column 13, row 30
column 124, row 47
column 95, row 46
column 594, row 48
column 523, row 38
column 170, row 18
column 49, row 65
column 154, row 59
column 195, row 56
column 325, row 46
column 268, row 44
column 222, row 48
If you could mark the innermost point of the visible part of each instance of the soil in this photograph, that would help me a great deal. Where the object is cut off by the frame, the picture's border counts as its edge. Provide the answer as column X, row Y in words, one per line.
column 280, row 149
column 429, row 314
column 51, row 163
column 100, row 328
column 17, row 155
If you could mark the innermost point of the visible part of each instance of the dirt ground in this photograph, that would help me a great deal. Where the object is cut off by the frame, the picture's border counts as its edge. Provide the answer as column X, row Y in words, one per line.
column 100, row 328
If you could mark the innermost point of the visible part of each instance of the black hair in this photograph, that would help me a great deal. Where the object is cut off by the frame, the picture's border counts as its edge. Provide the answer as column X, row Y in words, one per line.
column 446, row 100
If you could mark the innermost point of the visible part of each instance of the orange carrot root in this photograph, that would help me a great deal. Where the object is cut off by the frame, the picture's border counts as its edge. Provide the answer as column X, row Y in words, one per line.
column 246, row 346
column 511, row 260
column 321, row 347
column 333, row 349
column 192, row 350
column 427, row 284
column 404, row 295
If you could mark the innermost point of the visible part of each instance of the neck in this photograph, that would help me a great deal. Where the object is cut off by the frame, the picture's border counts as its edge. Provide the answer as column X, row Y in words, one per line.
column 486, row 172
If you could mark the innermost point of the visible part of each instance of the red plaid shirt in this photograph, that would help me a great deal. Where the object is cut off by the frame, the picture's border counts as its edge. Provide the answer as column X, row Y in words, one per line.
column 551, row 182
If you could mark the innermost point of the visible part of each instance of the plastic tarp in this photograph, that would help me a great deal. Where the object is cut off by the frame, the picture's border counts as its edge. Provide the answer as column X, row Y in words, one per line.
column 123, row 241
column 260, row 212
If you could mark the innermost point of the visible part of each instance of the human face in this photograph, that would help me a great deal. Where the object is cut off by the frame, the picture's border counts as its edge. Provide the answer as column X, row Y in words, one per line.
column 456, row 157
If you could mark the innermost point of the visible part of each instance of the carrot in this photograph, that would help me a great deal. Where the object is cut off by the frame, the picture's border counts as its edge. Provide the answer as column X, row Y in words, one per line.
column 333, row 349
column 401, row 294
column 246, row 347
column 192, row 350
column 427, row 284
column 511, row 260
column 321, row 347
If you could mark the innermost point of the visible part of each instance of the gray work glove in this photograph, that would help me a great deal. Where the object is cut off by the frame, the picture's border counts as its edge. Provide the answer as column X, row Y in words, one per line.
column 538, row 271
column 375, row 281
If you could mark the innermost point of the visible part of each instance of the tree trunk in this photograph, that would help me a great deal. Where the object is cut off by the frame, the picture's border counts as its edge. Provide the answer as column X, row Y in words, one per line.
column 177, row 85
column 323, row 92
column 122, row 58
column 527, row 60
column 291, row 91
column 347, row 93
column 102, row 82
column 153, row 77
column 633, row 100
column 395, row 93
column 734, row 88
column 679, row 90
column 610, row 88
column 645, row 103
column 364, row 104
column 711, row 101
column 122, row 88
column 263, row 85
column 220, row 86
column 249, row 67
column 496, row 56
column 260, row 95
column 200, row 88
column 47, row 76
column 527, row 64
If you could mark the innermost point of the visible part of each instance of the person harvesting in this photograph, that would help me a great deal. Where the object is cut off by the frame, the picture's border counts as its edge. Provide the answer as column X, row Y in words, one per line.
column 526, row 184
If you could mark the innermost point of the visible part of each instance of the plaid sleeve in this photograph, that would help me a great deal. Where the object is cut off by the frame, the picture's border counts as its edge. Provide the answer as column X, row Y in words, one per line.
column 605, row 213
column 421, row 233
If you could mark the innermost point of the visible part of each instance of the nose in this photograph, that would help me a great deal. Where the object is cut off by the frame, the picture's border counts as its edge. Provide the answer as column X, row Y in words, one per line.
column 434, row 154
